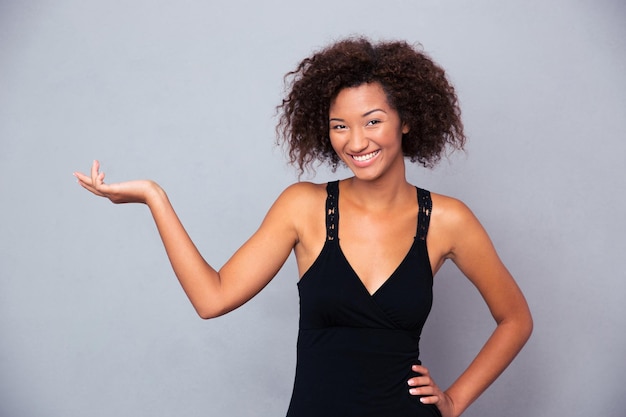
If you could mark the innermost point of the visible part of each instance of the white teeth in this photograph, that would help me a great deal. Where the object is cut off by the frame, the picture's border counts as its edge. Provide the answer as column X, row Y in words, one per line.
column 366, row 157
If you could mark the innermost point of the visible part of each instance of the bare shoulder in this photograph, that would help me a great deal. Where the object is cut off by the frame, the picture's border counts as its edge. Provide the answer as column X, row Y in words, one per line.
column 450, row 212
column 300, row 192
column 300, row 204
column 301, row 197
column 453, row 227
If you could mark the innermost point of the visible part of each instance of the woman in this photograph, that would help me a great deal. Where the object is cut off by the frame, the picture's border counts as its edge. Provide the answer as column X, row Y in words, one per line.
column 367, row 247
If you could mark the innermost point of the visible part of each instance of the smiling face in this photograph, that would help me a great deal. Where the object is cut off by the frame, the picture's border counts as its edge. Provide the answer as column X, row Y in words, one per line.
column 366, row 132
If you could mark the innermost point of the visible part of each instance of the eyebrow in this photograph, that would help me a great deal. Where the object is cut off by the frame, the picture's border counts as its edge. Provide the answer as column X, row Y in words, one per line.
column 363, row 115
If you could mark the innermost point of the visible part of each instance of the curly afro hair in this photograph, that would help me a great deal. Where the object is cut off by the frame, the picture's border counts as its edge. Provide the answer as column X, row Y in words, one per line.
column 415, row 86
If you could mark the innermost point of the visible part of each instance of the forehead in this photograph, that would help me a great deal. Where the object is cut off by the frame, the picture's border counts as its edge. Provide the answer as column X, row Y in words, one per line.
column 360, row 99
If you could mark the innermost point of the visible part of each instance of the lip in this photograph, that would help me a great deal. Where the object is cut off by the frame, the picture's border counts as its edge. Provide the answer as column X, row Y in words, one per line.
column 364, row 159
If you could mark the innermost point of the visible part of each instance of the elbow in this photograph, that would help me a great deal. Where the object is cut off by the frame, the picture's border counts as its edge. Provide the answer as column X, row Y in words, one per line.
column 206, row 312
column 524, row 326
column 212, row 304
column 205, row 315
column 525, row 323
column 528, row 325
column 208, row 304
column 520, row 325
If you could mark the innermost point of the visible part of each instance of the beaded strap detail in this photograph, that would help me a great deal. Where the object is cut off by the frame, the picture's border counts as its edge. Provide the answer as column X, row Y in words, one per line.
column 332, row 214
column 423, row 216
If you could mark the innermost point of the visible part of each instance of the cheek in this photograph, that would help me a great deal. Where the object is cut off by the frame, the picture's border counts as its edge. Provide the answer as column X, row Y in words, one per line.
column 335, row 142
column 400, row 135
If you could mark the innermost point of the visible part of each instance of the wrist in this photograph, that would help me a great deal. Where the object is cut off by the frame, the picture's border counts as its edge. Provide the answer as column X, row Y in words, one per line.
column 454, row 407
column 153, row 193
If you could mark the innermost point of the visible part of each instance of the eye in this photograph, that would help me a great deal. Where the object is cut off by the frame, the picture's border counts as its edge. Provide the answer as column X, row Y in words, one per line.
column 338, row 127
column 373, row 122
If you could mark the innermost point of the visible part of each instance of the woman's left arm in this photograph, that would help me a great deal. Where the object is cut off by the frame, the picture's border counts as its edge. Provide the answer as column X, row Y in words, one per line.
column 471, row 249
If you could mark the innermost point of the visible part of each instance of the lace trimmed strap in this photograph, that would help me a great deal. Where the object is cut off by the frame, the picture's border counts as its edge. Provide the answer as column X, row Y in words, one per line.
column 332, row 213
column 423, row 217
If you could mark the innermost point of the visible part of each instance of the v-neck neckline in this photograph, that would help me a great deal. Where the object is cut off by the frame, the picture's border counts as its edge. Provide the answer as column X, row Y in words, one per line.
column 335, row 225
column 387, row 280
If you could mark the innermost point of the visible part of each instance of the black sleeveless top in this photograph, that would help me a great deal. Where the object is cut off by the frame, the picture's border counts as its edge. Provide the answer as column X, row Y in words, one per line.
column 355, row 350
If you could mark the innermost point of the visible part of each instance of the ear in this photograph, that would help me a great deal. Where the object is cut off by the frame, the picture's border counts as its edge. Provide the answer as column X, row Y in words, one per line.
column 405, row 128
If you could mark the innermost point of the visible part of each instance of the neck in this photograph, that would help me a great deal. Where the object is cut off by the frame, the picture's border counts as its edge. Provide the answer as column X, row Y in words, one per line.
column 379, row 194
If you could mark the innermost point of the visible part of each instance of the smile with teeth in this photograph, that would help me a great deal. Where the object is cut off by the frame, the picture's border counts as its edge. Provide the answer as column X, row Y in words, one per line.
column 365, row 157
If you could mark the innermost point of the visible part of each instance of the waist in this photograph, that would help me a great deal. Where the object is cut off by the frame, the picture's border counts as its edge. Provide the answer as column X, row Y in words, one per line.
column 369, row 356
column 362, row 339
column 354, row 369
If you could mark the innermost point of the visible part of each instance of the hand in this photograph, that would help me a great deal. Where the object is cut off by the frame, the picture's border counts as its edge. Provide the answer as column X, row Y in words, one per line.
column 122, row 192
column 430, row 393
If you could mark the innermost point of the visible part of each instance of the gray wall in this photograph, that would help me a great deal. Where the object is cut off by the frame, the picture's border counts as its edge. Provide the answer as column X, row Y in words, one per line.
column 92, row 320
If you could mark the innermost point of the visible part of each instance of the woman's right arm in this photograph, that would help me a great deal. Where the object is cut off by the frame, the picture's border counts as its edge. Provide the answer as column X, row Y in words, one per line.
column 211, row 292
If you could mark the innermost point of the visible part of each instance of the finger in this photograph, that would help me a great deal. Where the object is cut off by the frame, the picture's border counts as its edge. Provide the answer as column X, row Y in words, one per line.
column 94, row 169
column 81, row 177
column 425, row 397
column 419, row 381
column 422, row 378
column 91, row 189
column 420, row 392
column 420, row 369
column 429, row 399
column 95, row 173
column 425, row 390
column 432, row 392
column 86, row 182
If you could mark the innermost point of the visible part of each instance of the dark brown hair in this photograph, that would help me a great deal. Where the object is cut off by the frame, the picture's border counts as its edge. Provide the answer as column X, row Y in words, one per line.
column 415, row 86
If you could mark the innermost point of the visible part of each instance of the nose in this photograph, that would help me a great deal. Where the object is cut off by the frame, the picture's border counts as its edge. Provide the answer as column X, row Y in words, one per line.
column 358, row 141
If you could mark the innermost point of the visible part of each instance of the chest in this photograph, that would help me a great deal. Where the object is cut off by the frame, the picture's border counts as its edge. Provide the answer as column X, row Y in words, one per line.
column 333, row 295
column 375, row 245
